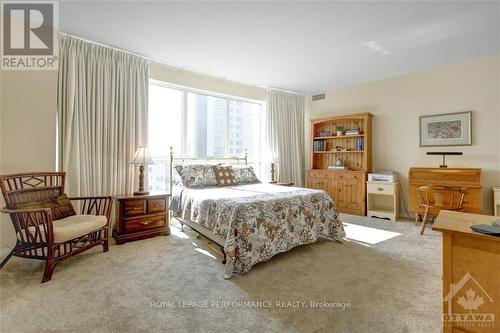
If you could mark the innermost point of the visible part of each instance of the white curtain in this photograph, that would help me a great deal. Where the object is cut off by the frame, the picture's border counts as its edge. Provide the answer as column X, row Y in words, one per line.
column 285, row 134
column 102, row 116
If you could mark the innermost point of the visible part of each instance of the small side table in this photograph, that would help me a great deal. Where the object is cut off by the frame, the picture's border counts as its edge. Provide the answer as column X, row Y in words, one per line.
column 383, row 200
column 141, row 216
column 496, row 200
column 282, row 183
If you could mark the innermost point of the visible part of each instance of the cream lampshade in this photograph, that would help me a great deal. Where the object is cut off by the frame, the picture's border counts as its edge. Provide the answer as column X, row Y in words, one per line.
column 141, row 157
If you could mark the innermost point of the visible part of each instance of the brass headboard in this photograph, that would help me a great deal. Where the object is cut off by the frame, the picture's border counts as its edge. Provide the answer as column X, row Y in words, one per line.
column 236, row 160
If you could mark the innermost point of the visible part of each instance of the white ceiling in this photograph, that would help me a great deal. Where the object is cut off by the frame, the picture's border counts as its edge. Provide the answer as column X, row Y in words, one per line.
column 307, row 47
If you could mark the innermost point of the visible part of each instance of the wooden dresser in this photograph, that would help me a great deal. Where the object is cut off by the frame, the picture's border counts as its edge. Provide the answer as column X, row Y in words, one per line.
column 141, row 217
column 346, row 187
column 463, row 177
column 471, row 274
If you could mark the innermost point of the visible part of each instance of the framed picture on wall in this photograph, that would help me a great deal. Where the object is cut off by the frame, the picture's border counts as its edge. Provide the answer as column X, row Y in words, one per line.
column 448, row 129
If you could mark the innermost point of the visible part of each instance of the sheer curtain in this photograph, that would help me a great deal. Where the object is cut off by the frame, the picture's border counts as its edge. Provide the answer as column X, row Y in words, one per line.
column 102, row 116
column 285, row 134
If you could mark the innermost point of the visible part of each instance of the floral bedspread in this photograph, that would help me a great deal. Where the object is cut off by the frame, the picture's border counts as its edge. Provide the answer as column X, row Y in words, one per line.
column 259, row 221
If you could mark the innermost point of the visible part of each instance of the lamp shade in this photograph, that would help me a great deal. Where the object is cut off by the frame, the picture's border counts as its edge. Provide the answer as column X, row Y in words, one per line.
column 271, row 157
column 142, row 156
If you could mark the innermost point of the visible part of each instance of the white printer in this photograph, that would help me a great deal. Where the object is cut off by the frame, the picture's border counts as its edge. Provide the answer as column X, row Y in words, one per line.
column 388, row 176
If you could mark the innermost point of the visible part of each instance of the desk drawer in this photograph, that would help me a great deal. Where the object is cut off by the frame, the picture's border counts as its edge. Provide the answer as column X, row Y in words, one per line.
column 380, row 188
column 133, row 208
column 145, row 223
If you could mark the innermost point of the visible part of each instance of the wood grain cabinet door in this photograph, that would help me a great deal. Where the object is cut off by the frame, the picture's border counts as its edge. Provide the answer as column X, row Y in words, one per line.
column 354, row 195
column 313, row 182
column 322, row 183
column 341, row 194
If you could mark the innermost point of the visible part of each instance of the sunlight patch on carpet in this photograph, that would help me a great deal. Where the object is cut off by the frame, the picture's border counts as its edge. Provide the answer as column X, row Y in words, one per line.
column 205, row 252
column 368, row 235
column 178, row 233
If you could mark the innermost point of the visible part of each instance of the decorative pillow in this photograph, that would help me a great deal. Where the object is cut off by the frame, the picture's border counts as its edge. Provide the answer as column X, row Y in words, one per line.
column 60, row 207
column 245, row 175
column 196, row 175
column 224, row 175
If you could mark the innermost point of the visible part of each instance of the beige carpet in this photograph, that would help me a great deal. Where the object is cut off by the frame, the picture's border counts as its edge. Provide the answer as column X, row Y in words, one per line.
column 391, row 285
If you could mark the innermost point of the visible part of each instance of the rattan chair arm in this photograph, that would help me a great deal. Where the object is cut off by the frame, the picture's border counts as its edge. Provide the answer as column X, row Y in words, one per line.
column 96, row 205
column 24, row 218
column 92, row 197
column 30, row 210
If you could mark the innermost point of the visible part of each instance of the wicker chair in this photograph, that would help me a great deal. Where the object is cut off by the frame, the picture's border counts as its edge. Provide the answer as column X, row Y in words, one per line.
column 41, row 237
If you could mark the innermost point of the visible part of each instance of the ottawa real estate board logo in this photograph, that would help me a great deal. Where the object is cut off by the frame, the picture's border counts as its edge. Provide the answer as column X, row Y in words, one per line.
column 469, row 305
column 29, row 35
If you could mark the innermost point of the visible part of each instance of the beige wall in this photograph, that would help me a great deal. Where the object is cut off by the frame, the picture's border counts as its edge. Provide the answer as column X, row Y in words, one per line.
column 28, row 128
column 397, row 102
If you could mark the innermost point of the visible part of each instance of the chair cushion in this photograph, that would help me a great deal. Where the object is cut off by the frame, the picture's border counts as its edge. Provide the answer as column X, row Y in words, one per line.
column 60, row 207
column 72, row 227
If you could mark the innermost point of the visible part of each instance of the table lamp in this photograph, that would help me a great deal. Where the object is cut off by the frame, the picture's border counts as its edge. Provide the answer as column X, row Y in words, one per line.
column 272, row 159
column 141, row 157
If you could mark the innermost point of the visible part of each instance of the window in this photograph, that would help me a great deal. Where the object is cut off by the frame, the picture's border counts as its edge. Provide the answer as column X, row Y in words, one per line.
column 200, row 125
column 206, row 126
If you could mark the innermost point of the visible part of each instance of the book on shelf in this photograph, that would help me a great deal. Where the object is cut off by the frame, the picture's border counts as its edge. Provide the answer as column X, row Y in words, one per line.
column 325, row 133
column 335, row 167
column 319, row 145
column 353, row 131
column 360, row 144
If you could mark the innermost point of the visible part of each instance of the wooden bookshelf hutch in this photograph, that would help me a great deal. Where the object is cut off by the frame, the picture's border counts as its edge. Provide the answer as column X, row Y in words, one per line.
column 346, row 187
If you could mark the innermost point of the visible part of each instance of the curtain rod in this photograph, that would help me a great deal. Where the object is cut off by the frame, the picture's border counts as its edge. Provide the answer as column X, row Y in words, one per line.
column 178, row 67
column 286, row 91
column 105, row 45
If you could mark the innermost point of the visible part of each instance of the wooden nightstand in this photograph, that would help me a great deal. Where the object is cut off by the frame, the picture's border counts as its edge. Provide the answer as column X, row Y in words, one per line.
column 141, row 216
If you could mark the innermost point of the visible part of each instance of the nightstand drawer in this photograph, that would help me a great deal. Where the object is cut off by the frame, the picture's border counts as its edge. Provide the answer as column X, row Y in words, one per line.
column 380, row 188
column 156, row 205
column 145, row 223
column 133, row 207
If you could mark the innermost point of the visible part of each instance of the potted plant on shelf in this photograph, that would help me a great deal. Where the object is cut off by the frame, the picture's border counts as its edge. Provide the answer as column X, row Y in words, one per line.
column 340, row 131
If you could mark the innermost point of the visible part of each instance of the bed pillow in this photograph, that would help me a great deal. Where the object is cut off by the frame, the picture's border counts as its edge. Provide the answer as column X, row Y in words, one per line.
column 245, row 175
column 60, row 207
column 196, row 175
column 224, row 175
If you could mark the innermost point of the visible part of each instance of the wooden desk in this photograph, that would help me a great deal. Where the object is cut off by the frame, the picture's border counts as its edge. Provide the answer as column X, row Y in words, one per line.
column 471, row 261
column 463, row 177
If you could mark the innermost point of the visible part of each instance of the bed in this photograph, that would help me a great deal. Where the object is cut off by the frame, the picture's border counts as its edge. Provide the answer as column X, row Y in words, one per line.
column 253, row 222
